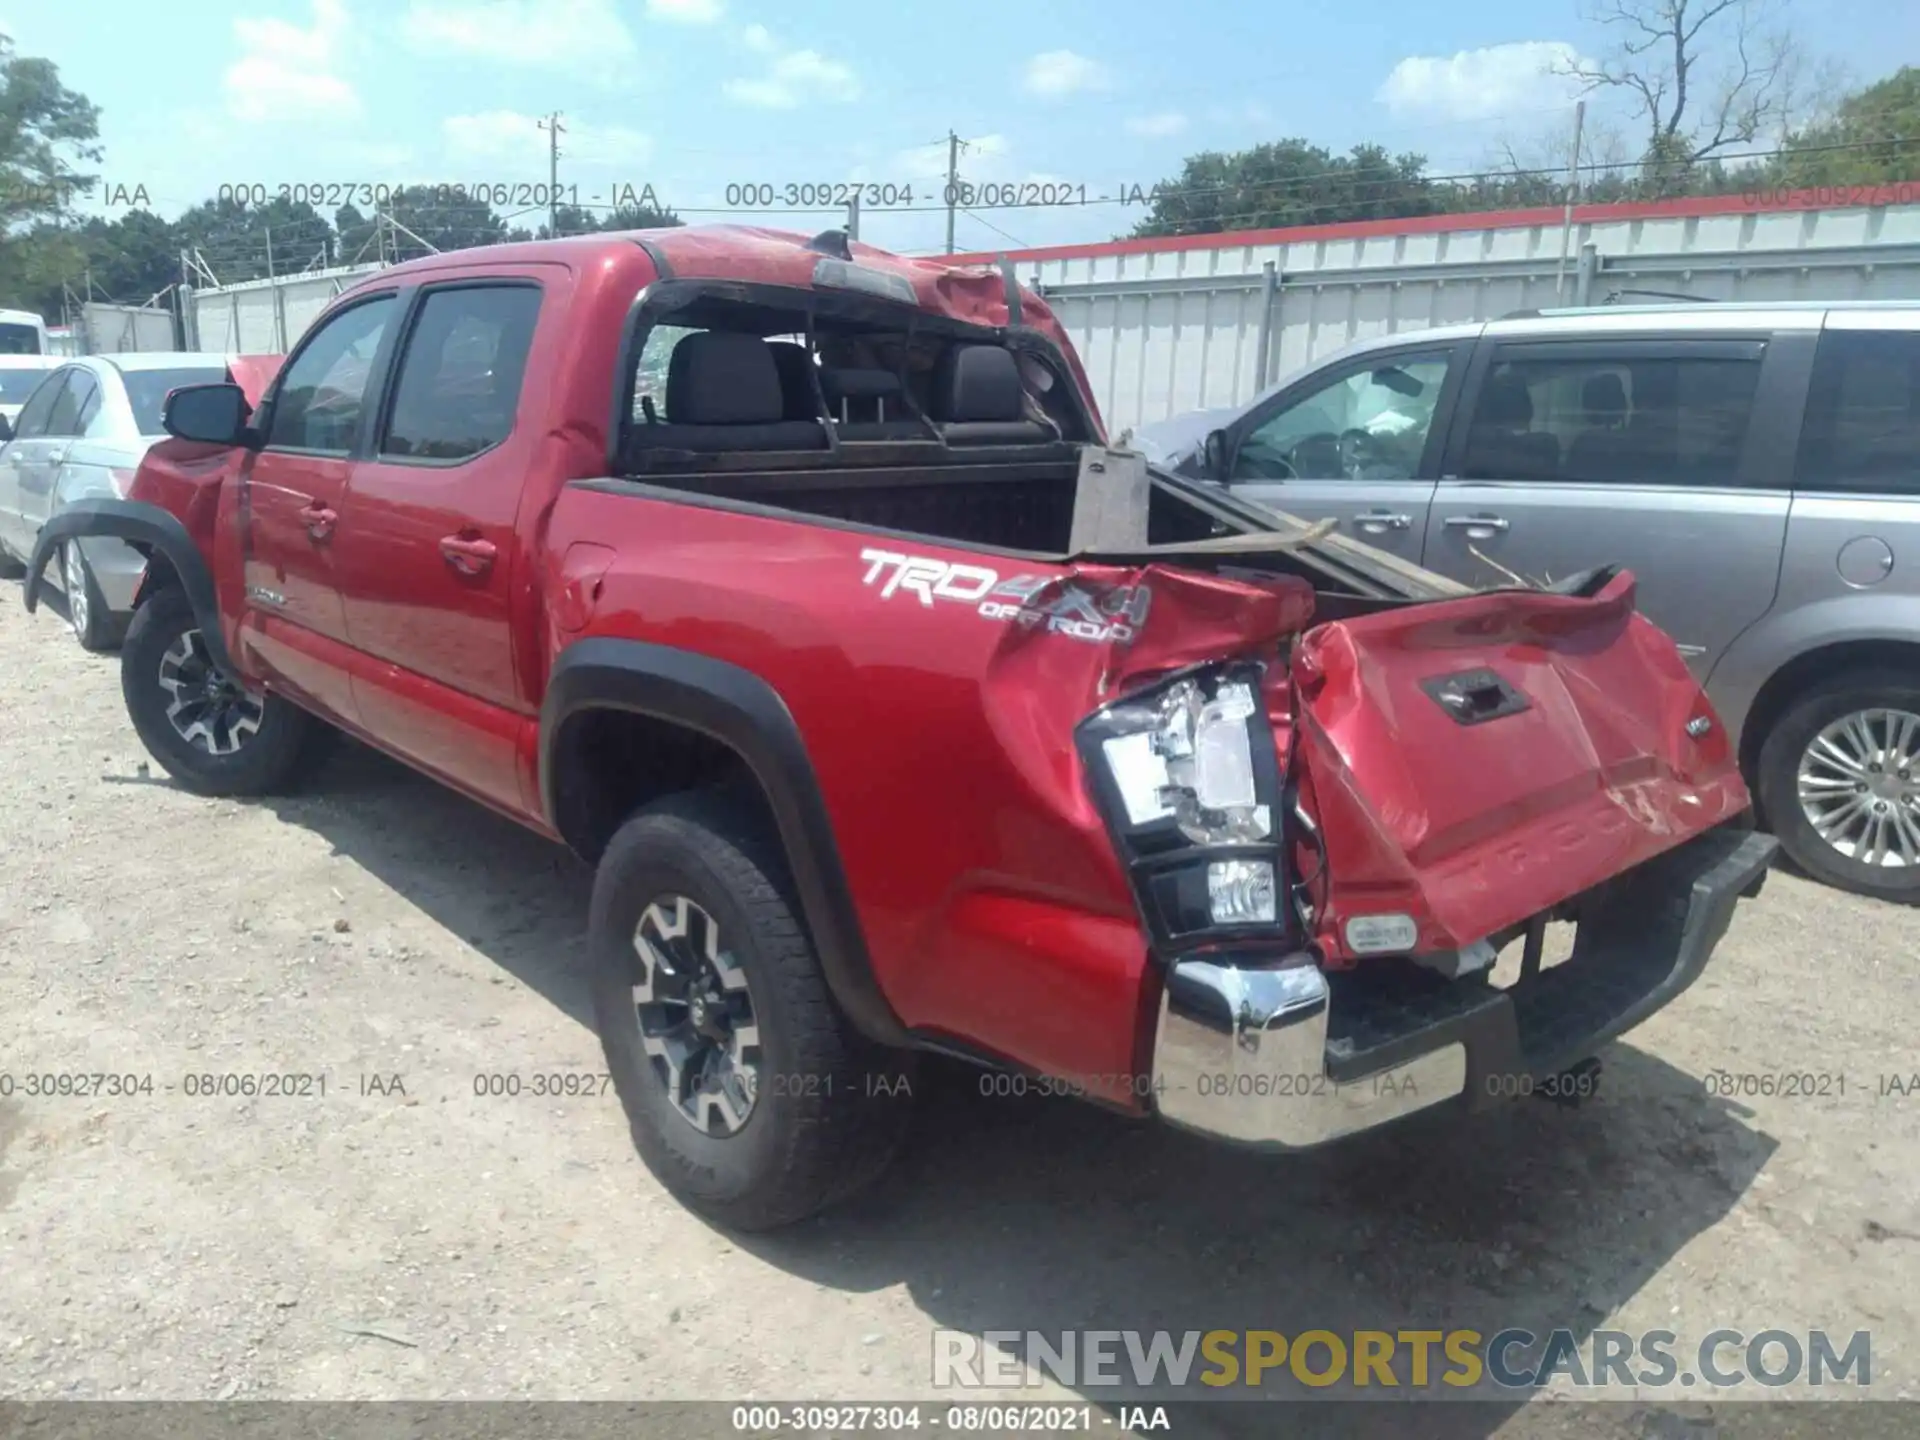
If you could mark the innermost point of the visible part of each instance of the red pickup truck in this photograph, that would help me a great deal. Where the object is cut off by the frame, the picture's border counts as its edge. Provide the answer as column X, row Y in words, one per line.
column 793, row 584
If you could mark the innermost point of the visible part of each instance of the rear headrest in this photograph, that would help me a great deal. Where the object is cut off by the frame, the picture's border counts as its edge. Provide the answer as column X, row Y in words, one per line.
column 859, row 384
column 1506, row 403
column 1604, row 397
column 977, row 382
column 719, row 378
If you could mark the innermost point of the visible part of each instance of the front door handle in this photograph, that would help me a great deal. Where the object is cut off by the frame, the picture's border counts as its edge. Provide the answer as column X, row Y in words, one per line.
column 468, row 555
column 1479, row 526
column 319, row 520
column 1378, row 522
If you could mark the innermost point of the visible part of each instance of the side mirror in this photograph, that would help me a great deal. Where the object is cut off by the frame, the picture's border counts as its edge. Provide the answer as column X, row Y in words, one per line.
column 1214, row 452
column 6, row 429
column 212, row 414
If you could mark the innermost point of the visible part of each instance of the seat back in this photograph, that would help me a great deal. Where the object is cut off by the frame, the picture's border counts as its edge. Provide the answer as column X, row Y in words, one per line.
column 724, row 393
column 978, row 399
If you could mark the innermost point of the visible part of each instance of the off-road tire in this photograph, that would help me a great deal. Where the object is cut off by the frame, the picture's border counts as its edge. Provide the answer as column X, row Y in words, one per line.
column 831, row 1106
column 1777, row 777
column 288, row 745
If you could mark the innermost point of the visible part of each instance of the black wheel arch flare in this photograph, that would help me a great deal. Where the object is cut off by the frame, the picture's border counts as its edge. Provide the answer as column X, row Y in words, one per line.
column 152, row 530
column 743, row 712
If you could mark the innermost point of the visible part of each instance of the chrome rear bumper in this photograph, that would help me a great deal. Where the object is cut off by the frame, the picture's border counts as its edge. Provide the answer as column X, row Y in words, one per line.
column 1269, row 1052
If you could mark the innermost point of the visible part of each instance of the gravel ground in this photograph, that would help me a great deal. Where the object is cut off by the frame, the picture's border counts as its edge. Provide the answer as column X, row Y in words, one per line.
column 401, row 1237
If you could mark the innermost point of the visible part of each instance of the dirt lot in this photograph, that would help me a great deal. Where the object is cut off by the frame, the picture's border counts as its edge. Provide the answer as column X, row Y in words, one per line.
column 371, row 1244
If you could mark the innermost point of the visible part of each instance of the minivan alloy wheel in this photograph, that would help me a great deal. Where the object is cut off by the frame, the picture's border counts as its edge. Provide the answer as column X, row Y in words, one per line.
column 696, row 1018
column 1859, row 786
column 206, row 709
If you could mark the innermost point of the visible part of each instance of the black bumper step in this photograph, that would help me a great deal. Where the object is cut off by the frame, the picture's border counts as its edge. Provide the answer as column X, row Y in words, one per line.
column 1642, row 939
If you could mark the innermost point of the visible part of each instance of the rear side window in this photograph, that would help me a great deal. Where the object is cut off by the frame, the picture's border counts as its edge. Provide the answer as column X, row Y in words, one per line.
column 461, row 372
column 147, row 391
column 1611, row 417
column 1862, row 430
column 75, row 406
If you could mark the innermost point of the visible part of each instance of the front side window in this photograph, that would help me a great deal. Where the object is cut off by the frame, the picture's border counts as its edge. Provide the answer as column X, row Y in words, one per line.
column 1862, row 429
column 321, row 394
column 460, row 374
column 1369, row 425
column 1612, row 418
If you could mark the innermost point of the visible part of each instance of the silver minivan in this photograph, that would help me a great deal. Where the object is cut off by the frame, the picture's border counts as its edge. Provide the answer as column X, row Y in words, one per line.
column 1757, row 467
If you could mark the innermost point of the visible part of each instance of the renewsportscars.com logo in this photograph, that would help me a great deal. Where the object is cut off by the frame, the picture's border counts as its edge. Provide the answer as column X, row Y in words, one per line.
column 1373, row 1360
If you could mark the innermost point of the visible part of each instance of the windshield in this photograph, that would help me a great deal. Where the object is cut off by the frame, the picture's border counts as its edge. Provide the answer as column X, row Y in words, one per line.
column 17, row 385
column 18, row 339
column 147, row 390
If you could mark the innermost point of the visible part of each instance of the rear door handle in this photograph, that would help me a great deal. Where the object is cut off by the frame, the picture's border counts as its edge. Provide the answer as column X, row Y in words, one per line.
column 1476, row 523
column 319, row 520
column 1378, row 522
column 468, row 555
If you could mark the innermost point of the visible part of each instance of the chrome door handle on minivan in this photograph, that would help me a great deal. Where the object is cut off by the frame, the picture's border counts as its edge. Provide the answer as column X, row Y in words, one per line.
column 1378, row 522
column 1478, row 526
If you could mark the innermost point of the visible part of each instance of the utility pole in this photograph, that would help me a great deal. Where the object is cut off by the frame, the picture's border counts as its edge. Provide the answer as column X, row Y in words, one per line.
column 269, row 233
column 853, row 215
column 554, row 130
column 1573, row 191
column 953, row 183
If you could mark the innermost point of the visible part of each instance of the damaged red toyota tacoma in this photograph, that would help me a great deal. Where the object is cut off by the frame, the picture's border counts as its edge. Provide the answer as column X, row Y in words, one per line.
column 794, row 585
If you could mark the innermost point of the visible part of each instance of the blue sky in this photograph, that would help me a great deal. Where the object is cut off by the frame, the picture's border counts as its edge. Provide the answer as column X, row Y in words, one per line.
column 692, row 96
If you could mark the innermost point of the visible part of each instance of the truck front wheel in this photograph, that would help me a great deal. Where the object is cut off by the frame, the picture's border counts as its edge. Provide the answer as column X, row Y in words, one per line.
column 212, row 737
column 748, row 1094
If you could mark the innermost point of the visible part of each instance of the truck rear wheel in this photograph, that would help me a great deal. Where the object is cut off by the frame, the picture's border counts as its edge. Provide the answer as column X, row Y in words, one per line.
column 1839, row 782
column 211, row 736
column 748, row 1094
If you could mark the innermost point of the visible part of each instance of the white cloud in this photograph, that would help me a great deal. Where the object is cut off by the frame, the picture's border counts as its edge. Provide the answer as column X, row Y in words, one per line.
column 685, row 12
column 547, row 33
column 1062, row 72
column 507, row 136
column 285, row 72
column 1166, row 122
column 1482, row 84
column 794, row 78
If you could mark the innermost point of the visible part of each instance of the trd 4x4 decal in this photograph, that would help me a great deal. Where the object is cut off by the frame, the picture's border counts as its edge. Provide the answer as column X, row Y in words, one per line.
column 1100, row 614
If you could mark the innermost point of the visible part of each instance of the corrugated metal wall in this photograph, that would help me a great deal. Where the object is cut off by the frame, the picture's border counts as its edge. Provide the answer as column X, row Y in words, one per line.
column 1163, row 330
column 264, row 317
column 105, row 329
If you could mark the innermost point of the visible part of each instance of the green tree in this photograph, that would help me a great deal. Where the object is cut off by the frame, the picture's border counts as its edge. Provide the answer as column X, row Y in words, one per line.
column 45, row 129
column 1287, row 182
column 247, row 242
column 1871, row 137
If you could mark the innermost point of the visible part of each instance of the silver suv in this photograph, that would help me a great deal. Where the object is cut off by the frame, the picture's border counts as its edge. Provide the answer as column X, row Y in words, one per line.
column 1757, row 467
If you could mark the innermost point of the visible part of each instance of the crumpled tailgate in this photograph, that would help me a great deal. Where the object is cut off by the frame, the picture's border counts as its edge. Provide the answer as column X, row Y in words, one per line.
column 1473, row 762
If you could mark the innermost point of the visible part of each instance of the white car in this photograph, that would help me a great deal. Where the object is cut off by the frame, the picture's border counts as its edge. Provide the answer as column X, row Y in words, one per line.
column 19, row 374
column 82, row 434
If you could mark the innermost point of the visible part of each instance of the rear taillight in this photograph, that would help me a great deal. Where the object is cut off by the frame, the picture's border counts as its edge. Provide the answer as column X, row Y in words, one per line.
column 122, row 480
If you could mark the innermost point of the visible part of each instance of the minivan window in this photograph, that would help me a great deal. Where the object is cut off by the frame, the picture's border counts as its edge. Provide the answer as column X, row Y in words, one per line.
column 1369, row 425
column 1612, row 419
column 460, row 376
column 1862, row 430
